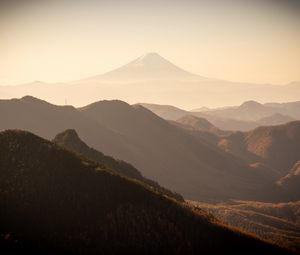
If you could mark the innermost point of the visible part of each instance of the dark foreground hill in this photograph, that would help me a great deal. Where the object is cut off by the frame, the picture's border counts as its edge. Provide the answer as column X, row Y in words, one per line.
column 70, row 140
column 53, row 201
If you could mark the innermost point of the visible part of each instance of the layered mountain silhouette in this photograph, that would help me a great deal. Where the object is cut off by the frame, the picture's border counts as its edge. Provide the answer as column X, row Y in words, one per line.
column 272, row 150
column 156, row 141
column 153, row 79
column 167, row 112
column 47, row 120
column 201, row 124
column 277, row 146
column 70, row 140
column 53, row 201
column 245, row 117
column 275, row 119
column 109, row 182
column 254, row 111
column 161, row 151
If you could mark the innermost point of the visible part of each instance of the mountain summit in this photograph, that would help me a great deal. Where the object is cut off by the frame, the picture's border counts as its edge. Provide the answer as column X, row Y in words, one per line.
column 150, row 66
column 154, row 61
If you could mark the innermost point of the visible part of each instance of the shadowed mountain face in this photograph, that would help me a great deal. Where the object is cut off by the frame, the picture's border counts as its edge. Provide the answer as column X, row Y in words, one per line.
column 291, row 181
column 274, row 151
column 53, row 201
column 277, row 146
column 69, row 139
column 196, row 122
column 201, row 124
column 161, row 151
column 167, row 112
column 279, row 223
column 156, row 141
column 47, row 120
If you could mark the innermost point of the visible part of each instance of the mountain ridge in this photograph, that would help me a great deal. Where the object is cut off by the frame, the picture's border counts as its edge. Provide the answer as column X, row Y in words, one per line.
column 56, row 202
column 244, row 117
column 138, row 136
column 70, row 140
column 274, row 145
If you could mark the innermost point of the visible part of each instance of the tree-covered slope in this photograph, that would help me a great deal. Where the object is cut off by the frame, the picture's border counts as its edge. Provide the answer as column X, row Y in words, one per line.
column 70, row 140
column 56, row 202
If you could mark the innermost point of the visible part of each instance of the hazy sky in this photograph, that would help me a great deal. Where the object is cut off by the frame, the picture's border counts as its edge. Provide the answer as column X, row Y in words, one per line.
column 254, row 40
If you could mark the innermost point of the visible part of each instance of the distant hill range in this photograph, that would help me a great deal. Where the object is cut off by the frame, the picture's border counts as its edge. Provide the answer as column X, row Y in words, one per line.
column 53, row 201
column 195, row 162
column 254, row 111
column 245, row 117
column 154, row 79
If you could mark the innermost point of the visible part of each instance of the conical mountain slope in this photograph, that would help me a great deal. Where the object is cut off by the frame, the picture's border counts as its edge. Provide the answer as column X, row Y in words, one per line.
column 150, row 66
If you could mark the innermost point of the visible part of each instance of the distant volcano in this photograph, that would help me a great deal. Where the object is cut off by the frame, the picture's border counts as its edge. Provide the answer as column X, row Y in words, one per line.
column 154, row 79
column 150, row 66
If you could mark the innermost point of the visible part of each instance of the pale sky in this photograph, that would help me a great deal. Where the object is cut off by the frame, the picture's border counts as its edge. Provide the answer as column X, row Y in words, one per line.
column 238, row 40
